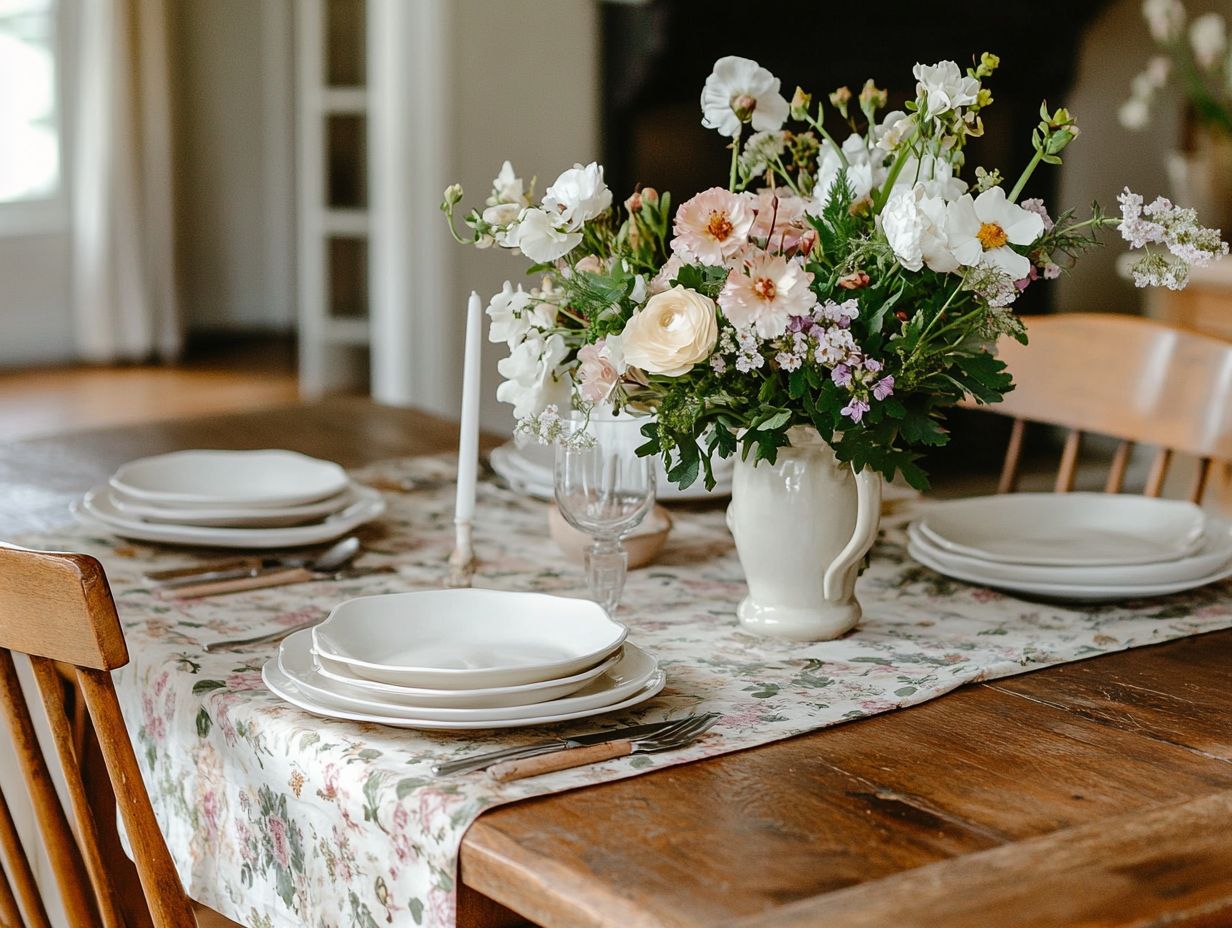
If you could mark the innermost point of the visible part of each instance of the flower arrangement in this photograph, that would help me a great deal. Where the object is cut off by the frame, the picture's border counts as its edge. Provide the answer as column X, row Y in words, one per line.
column 855, row 287
column 1197, row 54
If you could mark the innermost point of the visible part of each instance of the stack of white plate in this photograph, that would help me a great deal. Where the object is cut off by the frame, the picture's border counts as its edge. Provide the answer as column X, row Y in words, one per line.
column 459, row 659
column 231, row 499
column 1076, row 547
column 529, row 471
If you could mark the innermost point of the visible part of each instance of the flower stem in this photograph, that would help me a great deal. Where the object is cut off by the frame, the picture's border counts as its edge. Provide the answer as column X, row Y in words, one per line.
column 735, row 147
column 1026, row 175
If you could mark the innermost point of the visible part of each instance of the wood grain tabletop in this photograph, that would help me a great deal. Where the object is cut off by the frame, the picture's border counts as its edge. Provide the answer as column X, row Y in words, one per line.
column 1097, row 793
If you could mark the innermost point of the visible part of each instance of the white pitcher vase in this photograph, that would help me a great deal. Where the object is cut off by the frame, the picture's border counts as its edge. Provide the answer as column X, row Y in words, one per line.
column 802, row 527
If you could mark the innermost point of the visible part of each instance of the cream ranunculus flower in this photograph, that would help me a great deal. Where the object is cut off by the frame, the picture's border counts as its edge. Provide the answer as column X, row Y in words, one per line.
column 676, row 329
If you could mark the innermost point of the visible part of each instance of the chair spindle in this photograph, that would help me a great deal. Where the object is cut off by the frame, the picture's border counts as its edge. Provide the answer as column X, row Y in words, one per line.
column 1013, row 453
column 1069, row 462
column 1120, row 463
column 1159, row 471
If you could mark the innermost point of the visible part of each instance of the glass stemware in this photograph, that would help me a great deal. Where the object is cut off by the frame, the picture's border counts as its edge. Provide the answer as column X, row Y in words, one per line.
column 605, row 490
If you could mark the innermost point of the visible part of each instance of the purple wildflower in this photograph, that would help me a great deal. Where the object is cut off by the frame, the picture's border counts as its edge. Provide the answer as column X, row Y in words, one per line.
column 884, row 387
column 841, row 375
column 855, row 409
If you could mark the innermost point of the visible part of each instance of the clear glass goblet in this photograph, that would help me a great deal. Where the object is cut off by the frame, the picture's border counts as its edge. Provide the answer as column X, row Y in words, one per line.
column 605, row 490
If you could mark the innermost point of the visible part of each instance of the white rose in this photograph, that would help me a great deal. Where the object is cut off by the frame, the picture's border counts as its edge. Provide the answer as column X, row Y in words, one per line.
column 674, row 331
column 915, row 225
column 944, row 87
column 578, row 196
column 1208, row 34
column 538, row 238
column 532, row 380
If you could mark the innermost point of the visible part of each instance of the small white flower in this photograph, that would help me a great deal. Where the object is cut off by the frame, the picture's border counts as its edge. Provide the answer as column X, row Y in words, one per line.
column 865, row 170
column 1208, row 36
column 1164, row 18
column 532, row 381
column 577, row 196
column 509, row 315
column 739, row 90
column 944, row 87
column 761, row 150
column 981, row 231
column 506, row 187
column 537, row 236
column 895, row 126
column 1134, row 114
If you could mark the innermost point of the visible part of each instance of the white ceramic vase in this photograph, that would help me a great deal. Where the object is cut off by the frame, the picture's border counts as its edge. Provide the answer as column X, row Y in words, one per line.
column 802, row 528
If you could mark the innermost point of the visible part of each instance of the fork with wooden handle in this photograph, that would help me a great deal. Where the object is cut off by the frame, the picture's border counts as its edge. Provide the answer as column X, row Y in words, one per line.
column 268, row 579
column 580, row 757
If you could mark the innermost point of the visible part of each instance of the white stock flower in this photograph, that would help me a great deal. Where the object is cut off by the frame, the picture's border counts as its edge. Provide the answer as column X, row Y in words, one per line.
column 532, row 381
column 1208, row 36
column 577, row 196
column 1164, row 18
column 895, row 126
column 935, row 174
column 675, row 330
column 739, row 90
column 508, row 311
column 944, row 87
column 536, row 235
column 914, row 223
column 981, row 231
column 506, row 187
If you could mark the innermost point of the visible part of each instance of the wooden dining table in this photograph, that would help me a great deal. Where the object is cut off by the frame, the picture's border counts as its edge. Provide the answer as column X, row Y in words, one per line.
column 1092, row 793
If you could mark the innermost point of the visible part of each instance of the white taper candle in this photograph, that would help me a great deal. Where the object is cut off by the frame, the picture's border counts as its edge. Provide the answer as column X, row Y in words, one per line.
column 468, row 440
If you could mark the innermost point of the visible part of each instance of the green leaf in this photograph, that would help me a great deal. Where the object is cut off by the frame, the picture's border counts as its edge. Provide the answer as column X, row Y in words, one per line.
column 204, row 723
column 205, row 686
column 776, row 421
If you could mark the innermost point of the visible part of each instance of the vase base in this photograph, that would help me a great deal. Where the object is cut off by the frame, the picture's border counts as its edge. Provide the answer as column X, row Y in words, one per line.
column 831, row 620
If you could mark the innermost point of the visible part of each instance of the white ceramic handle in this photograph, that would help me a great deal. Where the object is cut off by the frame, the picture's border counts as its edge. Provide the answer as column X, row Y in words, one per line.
column 868, row 517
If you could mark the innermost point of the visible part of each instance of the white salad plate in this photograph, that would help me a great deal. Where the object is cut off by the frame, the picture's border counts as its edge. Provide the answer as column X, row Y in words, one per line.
column 1215, row 553
column 1068, row 592
column 234, row 479
column 466, row 639
column 97, row 508
column 285, row 688
column 1066, row 529
column 525, row 470
column 342, row 682
column 626, row 675
column 242, row 517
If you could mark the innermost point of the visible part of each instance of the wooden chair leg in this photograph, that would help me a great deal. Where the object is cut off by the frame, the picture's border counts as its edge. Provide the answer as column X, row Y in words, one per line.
column 1159, row 471
column 1120, row 463
column 1069, row 462
column 1197, row 489
column 1013, row 453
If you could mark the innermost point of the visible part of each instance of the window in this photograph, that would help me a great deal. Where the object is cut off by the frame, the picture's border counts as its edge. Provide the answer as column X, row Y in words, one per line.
column 30, row 163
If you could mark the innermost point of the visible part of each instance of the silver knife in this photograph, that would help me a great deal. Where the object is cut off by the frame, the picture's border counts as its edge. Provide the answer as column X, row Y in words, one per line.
column 480, row 761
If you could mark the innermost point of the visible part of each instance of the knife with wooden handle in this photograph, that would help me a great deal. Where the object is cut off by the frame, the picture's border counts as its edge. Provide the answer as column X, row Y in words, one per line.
column 560, row 760
column 269, row 579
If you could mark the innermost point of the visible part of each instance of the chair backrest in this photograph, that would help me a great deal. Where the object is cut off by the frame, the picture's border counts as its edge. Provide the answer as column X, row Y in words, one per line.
column 1123, row 376
column 58, row 608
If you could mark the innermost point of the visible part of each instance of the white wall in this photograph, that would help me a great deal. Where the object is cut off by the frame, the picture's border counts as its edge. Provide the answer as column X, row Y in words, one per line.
column 1107, row 157
column 36, row 325
column 519, row 80
column 232, row 94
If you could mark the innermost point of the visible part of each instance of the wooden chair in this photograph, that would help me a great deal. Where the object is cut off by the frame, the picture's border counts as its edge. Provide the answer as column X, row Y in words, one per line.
column 1123, row 376
column 58, row 608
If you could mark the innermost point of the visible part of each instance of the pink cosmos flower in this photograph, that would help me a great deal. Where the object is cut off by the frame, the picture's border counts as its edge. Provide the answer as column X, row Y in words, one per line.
column 713, row 227
column 596, row 374
column 765, row 293
column 779, row 221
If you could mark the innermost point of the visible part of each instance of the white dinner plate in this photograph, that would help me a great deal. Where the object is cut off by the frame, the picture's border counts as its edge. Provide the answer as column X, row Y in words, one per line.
column 340, row 680
column 529, row 477
column 1073, row 593
column 466, row 639
column 242, row 517
column 234, row 479
column 96, row 508
column 632, row 672
column 1066, row 529
column 1215, row 553
column 285, row 688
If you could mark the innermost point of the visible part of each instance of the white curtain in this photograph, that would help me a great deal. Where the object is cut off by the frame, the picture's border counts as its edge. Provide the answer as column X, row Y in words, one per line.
column 125, row 300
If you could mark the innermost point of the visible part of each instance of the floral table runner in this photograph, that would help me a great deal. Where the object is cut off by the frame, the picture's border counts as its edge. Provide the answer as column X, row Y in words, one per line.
column 278, row 818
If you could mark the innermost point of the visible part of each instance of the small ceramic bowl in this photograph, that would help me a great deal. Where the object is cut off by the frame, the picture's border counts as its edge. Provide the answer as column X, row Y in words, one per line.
column 643, row 545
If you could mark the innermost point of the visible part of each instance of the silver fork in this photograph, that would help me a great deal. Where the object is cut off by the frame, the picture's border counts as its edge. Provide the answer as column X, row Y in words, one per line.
column 276, row 635
column 669, row 739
